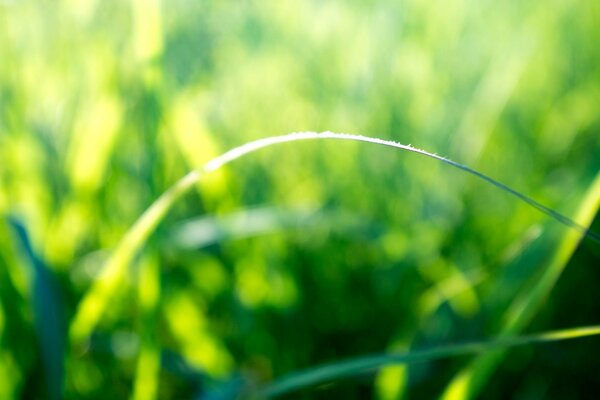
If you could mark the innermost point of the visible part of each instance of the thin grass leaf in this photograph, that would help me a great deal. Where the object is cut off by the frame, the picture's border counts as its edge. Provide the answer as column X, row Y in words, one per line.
column 47, row 313
column 97, row 298
column 8, row 369
column 338, row 370
column 145, row 385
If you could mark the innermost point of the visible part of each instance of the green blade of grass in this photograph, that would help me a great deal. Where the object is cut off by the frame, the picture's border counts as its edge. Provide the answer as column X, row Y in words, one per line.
column 47, row 312
column 331, row 372
column 8, row 369
column 145, row 385
column 471, row 379
column 97, row 298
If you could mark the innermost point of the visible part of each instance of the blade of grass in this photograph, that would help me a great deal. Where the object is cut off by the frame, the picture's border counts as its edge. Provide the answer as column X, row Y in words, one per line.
column 145, row 386
column 96, row 299
column 331, row 372
column 471, row 379
column 8, row 367
column 47, row 313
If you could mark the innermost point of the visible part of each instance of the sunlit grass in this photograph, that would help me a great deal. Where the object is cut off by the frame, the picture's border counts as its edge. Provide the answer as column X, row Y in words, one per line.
column 308, row 253
column 97, row 299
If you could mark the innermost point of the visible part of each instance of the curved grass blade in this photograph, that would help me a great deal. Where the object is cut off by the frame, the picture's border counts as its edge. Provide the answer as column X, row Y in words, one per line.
column 335, row 371
column 96, row 300
column 266, row 142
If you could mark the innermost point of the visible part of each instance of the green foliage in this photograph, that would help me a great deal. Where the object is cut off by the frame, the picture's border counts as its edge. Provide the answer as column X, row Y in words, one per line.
column 306, row 253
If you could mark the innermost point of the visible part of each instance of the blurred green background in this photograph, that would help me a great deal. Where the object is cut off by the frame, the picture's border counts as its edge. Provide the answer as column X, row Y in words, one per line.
column 310, row 252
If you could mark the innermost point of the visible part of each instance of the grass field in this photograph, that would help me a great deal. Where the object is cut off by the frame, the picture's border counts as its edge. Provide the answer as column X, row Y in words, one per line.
column 310, row 252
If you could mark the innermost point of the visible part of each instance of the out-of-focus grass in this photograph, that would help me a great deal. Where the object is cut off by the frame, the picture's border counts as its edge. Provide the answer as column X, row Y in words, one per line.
column 468, row 383
column 104, row 105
